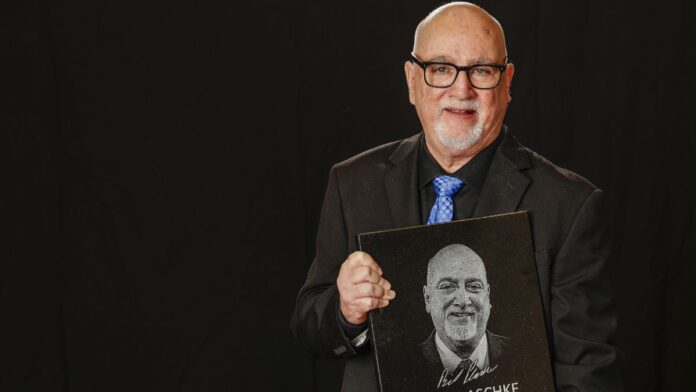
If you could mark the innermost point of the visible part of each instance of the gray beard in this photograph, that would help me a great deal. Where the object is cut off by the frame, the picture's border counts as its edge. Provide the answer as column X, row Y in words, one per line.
column 460, row 333
column 460, row 142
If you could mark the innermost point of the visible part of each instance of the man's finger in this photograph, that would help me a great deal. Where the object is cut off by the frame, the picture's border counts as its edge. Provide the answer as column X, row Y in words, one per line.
column 368, row 304
column 383, row 303
column 366, row 260
column 389, row 294
column 385, row 283
column 368, row 290
column 361, row 274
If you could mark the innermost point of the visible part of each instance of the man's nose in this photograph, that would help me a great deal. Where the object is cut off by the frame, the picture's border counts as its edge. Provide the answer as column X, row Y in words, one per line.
column 462, row 296
column 462, row 88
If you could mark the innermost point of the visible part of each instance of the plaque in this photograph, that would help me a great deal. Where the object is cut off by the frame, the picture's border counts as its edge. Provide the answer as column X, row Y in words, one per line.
column 467, row 314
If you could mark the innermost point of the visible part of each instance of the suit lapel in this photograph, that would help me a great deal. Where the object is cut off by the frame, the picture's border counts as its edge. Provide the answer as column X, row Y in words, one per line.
column 505, row 184
column 401, row 184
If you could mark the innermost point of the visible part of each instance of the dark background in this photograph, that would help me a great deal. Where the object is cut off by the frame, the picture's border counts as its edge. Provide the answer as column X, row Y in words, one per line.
column 164, row 164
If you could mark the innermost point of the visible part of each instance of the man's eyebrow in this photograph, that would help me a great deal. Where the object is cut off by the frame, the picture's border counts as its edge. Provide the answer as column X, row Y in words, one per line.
column 446, row 279
column 482, row 60
column 441, row 59
column 447, row 59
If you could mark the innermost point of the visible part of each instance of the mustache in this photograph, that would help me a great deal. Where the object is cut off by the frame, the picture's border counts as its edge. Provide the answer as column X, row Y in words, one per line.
column 461, row 309
column 469, row 104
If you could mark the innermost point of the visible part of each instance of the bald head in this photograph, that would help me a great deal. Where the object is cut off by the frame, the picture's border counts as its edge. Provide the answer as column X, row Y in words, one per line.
column 462, row 17
column 455, row 257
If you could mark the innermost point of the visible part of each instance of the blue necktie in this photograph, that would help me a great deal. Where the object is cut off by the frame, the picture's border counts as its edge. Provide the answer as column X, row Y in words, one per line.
column 445, row 188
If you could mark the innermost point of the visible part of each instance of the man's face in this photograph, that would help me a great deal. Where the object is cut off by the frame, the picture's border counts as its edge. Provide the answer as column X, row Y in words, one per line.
column 457, row 297
column 459, row 117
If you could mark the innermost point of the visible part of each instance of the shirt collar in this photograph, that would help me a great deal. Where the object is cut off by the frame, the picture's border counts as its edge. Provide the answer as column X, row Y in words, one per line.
column 451, row 360
column 473, row 173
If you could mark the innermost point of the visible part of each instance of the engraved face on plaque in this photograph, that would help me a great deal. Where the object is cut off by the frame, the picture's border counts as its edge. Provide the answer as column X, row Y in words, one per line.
column 458, row 298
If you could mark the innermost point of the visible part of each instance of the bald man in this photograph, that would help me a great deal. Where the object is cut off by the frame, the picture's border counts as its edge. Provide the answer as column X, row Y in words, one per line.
column 458, row 298
column 464, row 164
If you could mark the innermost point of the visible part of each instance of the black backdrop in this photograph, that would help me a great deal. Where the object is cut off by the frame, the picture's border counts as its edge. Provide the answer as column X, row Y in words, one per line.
column 164, row 165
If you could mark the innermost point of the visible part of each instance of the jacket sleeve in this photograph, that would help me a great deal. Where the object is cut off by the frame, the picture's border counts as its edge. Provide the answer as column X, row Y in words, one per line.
column 315, row 321
column 582, row 310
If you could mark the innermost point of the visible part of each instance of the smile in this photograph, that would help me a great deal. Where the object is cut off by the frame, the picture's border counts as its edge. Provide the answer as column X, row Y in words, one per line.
column 461, row 316
column 462, row 113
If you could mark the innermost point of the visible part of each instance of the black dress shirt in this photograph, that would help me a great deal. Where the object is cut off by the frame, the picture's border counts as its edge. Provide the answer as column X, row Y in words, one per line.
column 473, row 174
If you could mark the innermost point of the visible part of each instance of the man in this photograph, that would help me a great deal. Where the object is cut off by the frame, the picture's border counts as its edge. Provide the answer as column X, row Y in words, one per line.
column 457, row 297
column 464, row 164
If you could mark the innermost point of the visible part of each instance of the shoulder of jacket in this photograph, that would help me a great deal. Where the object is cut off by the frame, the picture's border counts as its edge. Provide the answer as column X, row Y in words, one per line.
column 373, row 159
column 557, row 178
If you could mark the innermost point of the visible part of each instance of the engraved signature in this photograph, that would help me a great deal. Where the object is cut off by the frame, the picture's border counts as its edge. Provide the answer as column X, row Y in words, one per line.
column 449, row 377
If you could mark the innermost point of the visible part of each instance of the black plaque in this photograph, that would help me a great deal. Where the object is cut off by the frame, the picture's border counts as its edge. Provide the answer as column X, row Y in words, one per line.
column 438, row 321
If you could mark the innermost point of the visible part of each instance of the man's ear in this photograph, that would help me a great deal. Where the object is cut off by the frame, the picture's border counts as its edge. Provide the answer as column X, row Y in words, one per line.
column 426, row 297
column 509, row 73
column 410, row 72
column 488, row 293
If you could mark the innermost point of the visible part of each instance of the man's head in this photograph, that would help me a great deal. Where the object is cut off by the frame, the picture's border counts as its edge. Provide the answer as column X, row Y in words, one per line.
column 459, row 120
column 457, row 296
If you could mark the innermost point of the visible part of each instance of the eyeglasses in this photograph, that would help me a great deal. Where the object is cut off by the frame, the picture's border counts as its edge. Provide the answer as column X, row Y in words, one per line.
column 443, row 75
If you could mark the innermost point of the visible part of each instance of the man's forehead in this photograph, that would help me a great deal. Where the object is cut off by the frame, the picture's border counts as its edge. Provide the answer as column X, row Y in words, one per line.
column 455, row 60
column 458, row 267
column 459, row 261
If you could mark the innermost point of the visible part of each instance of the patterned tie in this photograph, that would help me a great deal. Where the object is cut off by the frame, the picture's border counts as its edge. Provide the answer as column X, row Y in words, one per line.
column 445, row 188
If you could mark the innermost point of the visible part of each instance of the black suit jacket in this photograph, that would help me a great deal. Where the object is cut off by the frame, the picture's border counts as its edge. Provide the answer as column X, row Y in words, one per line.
column 431, row 365
column 378, row 190
column 496, row 346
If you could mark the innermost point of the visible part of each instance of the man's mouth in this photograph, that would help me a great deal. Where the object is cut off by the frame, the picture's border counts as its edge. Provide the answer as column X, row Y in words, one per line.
column 461, row 315
column 461, row 112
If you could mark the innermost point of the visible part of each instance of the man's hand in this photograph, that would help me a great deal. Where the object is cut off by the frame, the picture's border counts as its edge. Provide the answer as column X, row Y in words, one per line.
column 362, row 287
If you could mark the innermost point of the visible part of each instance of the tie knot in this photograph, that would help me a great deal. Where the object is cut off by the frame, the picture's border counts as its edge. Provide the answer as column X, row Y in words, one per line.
column 465, row 364
column 447, row 185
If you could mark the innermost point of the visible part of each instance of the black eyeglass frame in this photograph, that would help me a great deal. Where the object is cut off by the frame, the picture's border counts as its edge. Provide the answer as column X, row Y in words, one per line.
column 425, row 64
